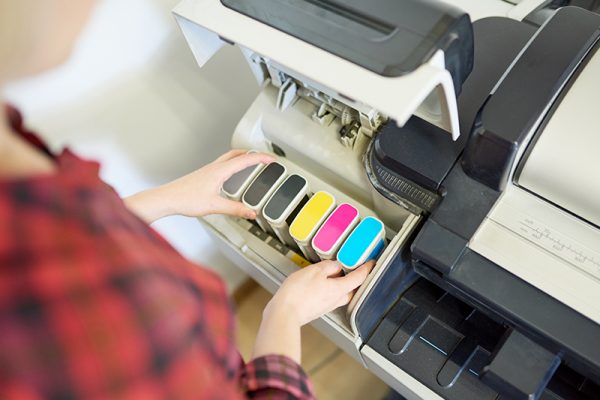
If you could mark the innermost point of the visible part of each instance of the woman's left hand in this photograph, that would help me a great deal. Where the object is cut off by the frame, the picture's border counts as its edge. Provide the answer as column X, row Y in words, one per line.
column 198, row 193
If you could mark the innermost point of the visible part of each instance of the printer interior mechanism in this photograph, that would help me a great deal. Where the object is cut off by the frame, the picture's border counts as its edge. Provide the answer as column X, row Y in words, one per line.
column 455, row 142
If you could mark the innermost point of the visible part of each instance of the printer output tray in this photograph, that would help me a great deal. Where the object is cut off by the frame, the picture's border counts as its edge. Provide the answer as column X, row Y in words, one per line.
column 446, row 345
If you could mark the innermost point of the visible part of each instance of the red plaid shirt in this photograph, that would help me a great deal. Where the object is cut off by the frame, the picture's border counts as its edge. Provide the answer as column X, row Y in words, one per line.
column 95, row 304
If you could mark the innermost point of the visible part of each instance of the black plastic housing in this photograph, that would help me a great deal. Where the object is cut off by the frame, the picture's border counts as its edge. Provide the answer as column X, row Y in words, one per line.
column 417, row 161
column 389, row 37
column 449, row 345
column 525, row 94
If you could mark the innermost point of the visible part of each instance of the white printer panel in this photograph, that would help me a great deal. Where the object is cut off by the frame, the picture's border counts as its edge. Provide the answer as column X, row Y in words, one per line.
column 314, row 146
column 563, row 165
column 544, row 246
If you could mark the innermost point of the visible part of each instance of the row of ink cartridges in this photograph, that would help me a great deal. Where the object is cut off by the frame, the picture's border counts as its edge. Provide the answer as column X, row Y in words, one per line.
column 312, row 222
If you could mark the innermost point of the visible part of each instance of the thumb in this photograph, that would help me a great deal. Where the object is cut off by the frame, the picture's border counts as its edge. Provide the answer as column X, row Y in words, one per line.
column 243, row 161
column 234, row 208
column 331, row 268
column 231, row 154
column 355, row 278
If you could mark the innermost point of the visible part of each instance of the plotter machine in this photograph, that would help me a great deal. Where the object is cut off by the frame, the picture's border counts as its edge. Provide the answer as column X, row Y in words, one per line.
column 471, row 129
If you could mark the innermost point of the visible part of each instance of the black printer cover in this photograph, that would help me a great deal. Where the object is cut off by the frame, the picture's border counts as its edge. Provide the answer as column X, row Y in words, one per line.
column 388, row 37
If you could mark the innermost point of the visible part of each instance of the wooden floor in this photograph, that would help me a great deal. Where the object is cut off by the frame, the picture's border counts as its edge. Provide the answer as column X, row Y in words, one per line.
column 335, row 375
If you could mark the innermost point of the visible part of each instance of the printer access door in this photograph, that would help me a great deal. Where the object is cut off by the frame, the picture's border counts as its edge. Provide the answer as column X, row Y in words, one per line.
column 384, row 56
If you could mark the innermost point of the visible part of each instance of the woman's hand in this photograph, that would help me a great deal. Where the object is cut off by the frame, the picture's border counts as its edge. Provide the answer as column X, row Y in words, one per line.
column 318, row 289
column 303, row 297
column 199, row 193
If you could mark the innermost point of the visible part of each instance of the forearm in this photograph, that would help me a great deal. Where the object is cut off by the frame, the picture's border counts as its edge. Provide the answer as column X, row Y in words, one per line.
column 150, row 205
column 198, row 193
column 279, row 333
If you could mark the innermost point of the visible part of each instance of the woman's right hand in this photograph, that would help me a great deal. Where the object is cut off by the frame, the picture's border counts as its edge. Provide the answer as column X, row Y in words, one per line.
column 303, row 297
column 315, row 290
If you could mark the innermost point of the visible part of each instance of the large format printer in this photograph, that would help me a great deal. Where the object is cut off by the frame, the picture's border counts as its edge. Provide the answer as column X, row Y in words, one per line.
column 469, row 127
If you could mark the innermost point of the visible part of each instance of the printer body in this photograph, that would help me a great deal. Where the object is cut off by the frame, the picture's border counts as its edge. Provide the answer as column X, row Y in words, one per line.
column 471, row 130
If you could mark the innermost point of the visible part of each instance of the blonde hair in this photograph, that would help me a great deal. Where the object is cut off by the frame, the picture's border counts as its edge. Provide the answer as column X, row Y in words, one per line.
column 37, row 35
column 14, row 37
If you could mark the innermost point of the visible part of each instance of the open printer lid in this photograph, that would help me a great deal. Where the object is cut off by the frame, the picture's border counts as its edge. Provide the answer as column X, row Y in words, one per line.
column 396, row 58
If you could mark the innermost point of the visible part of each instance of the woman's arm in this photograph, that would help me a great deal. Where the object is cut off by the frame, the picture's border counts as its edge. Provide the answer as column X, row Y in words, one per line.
column 307, row 294
column 199, row 193
column 150, row 205
column 303, row 297
column 274, row 372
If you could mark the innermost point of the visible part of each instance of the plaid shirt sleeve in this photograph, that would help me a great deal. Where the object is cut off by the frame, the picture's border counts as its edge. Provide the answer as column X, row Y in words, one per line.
column 275, row 377
column 95, row 304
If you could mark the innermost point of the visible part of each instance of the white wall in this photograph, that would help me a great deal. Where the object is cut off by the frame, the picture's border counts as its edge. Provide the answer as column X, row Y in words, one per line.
column 133, row 98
